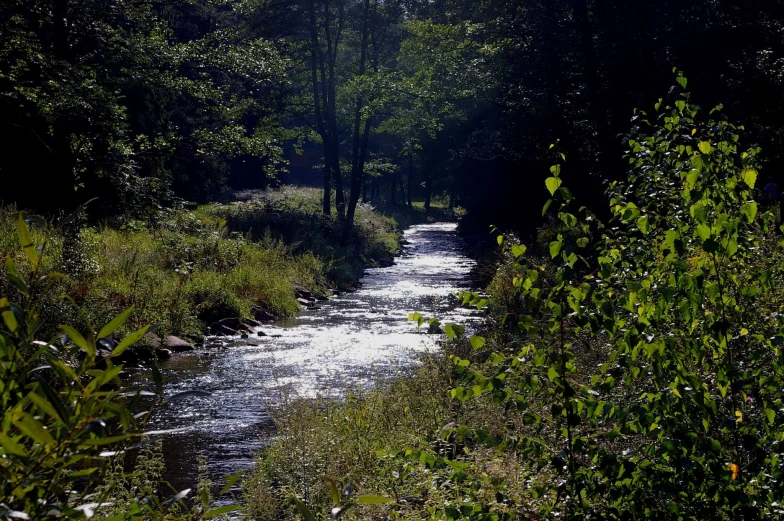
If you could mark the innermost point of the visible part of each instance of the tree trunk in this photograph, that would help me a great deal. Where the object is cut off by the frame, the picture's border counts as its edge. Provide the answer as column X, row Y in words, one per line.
column 337, row 176
column 316, row 65
column 410, row 178
column 337, row 181
column 393, row 189
column 360, row 140
column 326, row 205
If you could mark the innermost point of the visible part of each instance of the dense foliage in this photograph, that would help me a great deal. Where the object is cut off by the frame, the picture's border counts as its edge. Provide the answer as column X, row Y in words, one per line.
column 678, row 305
column 132, row 102
column 142, row 103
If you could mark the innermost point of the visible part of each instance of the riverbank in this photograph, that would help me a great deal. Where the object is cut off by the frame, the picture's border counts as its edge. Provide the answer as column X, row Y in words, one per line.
column 260, row 256
column 399, row 442
column 361, row 338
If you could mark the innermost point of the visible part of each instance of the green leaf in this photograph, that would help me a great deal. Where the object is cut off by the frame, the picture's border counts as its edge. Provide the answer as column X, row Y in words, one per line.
column 450, row 333
column 454, row 330
column 44, row 406
column 115, row 324
column 680, row 104
column 8, row 315
column 705, row 147
column 10, row 446
column 704, row 231
column 642, row 223
column 32, row 428
column 749, row 209
column 373, row 500
column 555, row 248
column 546, row 206
column 333, row 489
column 27, row 242
column 771, row 414
column 477, row 342
column 731, row 247
column 131, row 339
column 14, row 278
column 568, row 219
column 691, row 178
column 682, row 81
column 54, row 399
column 552, row 373
column 79, row 340
column 750, row 177
column 699, row 211
column 220, row 511
column 552, row 183
column 518, row 250
column 231, row 480
column 500, row 240
column 698, row 163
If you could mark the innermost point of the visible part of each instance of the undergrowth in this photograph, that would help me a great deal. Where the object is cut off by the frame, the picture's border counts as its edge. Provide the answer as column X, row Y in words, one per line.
column 293, row 216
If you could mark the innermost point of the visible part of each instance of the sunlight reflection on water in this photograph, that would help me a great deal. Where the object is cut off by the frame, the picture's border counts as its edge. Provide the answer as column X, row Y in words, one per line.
column 355, row 339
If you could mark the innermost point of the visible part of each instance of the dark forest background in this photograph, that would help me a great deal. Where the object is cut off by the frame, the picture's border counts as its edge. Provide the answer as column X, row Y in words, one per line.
column 147, row 103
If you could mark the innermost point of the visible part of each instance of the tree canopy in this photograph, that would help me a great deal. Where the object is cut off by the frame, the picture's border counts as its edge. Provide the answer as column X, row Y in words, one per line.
column 146, row 103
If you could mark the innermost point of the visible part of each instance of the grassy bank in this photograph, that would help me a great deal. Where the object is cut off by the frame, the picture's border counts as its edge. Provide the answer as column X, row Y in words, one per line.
column 293, row 216
column 401, row 442
column 189, row 269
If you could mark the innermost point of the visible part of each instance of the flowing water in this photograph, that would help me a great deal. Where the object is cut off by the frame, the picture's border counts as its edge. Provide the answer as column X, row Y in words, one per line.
column 355, row 339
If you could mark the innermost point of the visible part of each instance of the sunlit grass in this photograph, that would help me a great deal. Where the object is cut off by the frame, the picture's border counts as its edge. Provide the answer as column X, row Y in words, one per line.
column 220, row 260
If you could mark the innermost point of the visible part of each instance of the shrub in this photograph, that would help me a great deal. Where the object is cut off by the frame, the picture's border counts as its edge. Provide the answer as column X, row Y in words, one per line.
column 67, row 419
column 61, row 411
column 678, row 304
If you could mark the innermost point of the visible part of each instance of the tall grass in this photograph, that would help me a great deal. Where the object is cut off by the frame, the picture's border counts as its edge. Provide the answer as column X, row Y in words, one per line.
column 193, row 268
column 398, row 441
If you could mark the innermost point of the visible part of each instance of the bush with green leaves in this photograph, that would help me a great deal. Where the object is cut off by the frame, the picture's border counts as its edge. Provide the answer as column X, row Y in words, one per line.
column 66, row 413
column 648, row 372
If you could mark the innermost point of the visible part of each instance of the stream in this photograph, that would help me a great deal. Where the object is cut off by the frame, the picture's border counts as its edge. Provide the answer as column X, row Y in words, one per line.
column 356, row 339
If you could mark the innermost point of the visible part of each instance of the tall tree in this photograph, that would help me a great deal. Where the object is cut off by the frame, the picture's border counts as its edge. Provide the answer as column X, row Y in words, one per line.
column 327, row 26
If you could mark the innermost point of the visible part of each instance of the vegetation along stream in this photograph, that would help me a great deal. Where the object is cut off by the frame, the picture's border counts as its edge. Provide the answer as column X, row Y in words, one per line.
column 351, row 340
